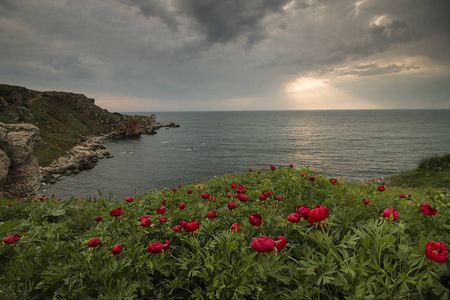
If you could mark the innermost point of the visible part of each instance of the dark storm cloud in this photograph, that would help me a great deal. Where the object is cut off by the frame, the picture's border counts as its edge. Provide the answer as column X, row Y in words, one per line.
column 225, row 21
column 214, row 50
column 373, row 69
column 155, row 9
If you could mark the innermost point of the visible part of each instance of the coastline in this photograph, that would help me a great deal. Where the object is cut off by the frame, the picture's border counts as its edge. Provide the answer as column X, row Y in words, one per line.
column 87, row 154
column 386, row 181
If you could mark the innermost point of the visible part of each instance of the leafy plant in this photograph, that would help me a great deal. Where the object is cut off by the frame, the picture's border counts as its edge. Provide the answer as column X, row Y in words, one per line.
column 353, row 252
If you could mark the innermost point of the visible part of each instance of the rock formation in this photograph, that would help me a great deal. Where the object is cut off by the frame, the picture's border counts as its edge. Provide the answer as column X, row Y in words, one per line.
column 73, row 130
column 19, row 171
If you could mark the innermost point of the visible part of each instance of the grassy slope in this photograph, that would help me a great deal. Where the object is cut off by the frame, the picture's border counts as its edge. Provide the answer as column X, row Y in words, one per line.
column 431, row 172
column 65, row 227
column 60, row 124
column 59, row 135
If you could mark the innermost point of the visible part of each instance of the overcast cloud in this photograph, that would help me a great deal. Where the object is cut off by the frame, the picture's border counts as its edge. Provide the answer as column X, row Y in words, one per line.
column 157, row 55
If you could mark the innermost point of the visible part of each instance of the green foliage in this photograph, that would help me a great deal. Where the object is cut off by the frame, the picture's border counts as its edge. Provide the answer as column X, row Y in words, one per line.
column 433, row 171
column 356, row 255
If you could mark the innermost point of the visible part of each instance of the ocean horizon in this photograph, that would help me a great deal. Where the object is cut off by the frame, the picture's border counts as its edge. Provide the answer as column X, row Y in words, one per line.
column 351, row 145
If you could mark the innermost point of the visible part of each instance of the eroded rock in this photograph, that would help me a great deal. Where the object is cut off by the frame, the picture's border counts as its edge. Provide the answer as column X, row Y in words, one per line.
column 19, row 171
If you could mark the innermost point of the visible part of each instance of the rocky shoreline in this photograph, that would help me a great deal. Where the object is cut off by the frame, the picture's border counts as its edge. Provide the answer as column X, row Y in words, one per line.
column 87, row 154
column 386, row 181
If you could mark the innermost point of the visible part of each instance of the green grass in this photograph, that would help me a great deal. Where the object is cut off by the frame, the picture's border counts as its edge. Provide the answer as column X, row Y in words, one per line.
column 356, row 255
column 433, row 171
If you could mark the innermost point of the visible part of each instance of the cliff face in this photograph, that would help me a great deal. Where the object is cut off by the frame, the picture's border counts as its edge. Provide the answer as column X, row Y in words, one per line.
column 19, row 171
column 65, row 119
column 72, row 129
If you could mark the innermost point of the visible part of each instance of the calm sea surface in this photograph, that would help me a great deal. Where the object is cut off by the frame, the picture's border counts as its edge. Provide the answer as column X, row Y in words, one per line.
column 353, row 145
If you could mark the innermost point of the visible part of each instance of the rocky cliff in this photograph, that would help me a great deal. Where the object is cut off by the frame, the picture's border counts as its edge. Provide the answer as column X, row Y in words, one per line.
column 65, row 119
column 19, row 171
column 72, row 129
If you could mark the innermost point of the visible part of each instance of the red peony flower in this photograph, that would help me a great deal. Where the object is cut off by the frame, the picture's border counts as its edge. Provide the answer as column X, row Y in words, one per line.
column 242, row 197
column 402, row 196
column 9, row 205
column 205, row 196
column 161, row 210
column 179, row 185
column 262, row 197
column 263, row 244
column 259, row 172
column 183, row 223
column 303, row 211
column 333, row 181
column 291, row 166
column 427, row 209
column 240, row 189
column 98, row 219
column 163, row 202
column 294, row 218
column 390, row 211
column 129, row 199
column 236, row 196
column 235, row 227
column 304, row 175
column 317, row 215
column 116, row 249
column 250, row 169
column 280, row 242
column 233, row 185
column 93, row 242
column 366, row 201
column 381, row 188
column 229, row 196
column 211, row 214
column 116, row 212
column 177, row 228
column 144, row 217
column 162, row 219
column 436, row 251
column 231, row 205
column 166, row 245
column 267, row 194
column 145, row 222
column 272, row 168
column 155, row 247
column 11, row 239
column 182, row 205
column 174, row 189
column 312, row 178
column 278, row 198
column 255, row 219
column 189, row 191
column 192, row 226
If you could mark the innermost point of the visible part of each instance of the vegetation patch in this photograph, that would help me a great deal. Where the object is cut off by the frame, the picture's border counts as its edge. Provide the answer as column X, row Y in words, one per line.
column 280, row 233
column 433, row 171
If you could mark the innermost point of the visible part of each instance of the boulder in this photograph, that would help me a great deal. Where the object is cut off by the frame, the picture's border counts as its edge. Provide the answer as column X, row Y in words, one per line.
column 4, row 164
column 19, row 170
column 20, row 139
column 23, row 180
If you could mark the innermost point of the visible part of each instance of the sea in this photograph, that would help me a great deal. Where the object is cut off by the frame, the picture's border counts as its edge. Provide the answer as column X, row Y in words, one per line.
column 351, row 145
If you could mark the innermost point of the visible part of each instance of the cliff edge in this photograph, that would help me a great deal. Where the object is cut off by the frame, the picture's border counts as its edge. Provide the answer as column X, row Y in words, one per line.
column 60, row 132
column 66, row 119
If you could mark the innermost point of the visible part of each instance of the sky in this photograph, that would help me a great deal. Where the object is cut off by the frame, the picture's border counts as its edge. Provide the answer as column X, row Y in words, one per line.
column 209, row 55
